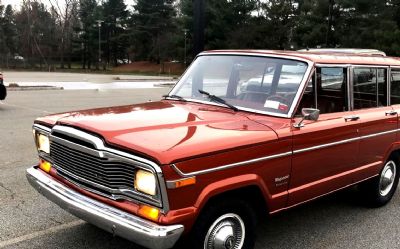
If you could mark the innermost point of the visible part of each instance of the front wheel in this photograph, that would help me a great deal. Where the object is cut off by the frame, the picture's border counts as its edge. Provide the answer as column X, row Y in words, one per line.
column 229, row 224
column 380, row 190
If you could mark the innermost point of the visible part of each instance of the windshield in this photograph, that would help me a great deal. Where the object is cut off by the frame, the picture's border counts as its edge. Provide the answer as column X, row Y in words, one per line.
column 247, row 82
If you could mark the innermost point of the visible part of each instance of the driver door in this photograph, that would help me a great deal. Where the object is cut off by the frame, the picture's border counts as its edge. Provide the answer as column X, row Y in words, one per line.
column 324, row 151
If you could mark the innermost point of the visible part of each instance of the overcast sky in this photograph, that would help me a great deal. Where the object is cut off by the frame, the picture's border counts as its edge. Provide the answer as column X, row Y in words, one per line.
column 16, row 3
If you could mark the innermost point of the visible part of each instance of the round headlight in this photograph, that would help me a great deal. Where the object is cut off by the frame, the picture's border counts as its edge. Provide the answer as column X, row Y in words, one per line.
column 43, row 143
column 145, row 182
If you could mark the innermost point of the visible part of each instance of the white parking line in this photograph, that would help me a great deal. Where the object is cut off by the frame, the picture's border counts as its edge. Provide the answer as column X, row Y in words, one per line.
column 40, row 233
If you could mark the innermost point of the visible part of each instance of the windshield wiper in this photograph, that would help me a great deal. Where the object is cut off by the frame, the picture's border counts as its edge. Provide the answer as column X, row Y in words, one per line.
column 218, row 100
column 173, row 96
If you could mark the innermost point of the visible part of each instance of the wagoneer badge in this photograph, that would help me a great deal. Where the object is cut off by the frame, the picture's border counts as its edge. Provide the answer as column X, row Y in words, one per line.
column 279, row 181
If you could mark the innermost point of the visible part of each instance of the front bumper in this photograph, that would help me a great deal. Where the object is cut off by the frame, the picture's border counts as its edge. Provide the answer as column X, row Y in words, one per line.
column 128, row 226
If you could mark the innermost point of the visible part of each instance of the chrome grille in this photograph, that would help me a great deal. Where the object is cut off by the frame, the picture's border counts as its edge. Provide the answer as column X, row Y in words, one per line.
column 84, row 160
column 111, row 174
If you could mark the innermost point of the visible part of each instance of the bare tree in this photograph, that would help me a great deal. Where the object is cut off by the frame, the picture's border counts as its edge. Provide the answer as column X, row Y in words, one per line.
column 65, row 11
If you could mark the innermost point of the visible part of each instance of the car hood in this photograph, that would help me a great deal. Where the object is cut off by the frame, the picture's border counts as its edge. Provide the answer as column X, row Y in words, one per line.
column 170, row 131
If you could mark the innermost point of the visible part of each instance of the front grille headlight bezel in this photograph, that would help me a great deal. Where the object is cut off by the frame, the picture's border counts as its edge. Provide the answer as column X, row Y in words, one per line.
column 159, row 199
column 41, row 136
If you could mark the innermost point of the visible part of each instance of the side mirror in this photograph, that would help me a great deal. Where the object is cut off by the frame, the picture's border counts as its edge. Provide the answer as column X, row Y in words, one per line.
column 308, row 114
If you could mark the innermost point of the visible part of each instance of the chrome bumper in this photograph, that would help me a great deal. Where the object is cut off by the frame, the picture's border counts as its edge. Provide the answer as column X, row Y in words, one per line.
column 128, row 226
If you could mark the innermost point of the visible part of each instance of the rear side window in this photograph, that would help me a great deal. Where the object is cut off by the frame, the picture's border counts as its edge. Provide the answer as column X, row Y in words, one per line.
column 369, row 87
column 395, row 87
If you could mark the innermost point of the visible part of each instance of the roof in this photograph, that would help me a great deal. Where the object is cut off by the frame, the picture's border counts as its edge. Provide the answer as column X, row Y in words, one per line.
column 323, row 56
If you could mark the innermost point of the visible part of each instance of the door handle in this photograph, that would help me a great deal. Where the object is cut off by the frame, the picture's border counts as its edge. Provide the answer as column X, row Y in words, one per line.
column 351, row 118
column 391, row 113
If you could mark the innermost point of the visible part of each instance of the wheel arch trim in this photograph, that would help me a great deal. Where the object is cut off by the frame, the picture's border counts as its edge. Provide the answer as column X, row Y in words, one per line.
column 231, row 184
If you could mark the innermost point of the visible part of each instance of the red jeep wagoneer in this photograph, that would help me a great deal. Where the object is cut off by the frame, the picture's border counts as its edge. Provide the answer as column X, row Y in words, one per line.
column 242, row 134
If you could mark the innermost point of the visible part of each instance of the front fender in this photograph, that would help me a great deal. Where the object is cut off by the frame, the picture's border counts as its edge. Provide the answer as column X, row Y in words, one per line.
column 229, row 184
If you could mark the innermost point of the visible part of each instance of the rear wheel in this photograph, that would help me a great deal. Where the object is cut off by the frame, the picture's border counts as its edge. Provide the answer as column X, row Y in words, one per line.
column 227, row 224
column 380, row 190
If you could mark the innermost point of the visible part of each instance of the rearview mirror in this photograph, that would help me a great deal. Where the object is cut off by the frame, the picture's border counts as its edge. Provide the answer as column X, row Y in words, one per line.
column 308, row 114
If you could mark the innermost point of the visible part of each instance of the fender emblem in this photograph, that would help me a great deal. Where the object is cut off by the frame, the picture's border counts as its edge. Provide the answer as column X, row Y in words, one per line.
column 280, row 179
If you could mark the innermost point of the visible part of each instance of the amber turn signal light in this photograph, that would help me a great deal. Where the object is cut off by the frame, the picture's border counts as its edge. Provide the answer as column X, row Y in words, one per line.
column 181, row 183
column 149, row 212
column 45, row 166
column 185, row 182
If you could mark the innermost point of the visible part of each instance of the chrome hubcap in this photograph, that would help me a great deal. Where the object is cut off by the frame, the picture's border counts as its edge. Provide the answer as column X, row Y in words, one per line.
column 387, row 178
column 227, row 232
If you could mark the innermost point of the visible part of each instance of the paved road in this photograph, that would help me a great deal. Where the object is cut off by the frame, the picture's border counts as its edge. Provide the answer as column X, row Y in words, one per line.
column 27, row 220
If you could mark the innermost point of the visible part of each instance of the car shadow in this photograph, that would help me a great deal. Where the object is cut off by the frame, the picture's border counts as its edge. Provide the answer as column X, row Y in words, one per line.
column 318, row 224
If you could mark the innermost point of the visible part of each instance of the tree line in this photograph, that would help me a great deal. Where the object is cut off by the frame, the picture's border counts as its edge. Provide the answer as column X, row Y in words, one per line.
column 93, row 34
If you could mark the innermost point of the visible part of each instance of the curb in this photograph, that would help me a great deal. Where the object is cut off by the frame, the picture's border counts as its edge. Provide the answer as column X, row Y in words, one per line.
column 165, row 84
column 141, row 80
column 34, row 88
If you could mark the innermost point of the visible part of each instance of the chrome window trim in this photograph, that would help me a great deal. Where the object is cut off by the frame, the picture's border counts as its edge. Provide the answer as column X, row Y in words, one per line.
column 349, row 89
column 315, row 87
column 370, row 66
column 388, row 85
column 98, row 143
column 296, row 99
column 332, row 65
column 242, row 163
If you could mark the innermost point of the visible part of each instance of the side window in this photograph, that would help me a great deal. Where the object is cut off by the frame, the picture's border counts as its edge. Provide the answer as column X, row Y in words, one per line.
column 395, row 87
column 332, row 78
column 369, row 88
column 332, row 89
column 330, row 86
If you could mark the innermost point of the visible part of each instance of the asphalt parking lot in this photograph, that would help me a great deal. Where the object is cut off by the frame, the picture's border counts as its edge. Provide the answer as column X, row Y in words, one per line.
column 28, row 220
